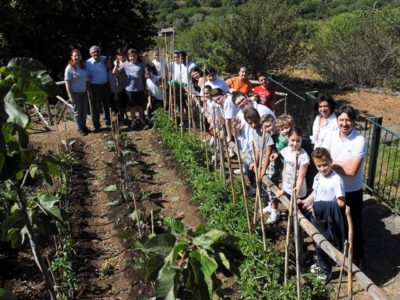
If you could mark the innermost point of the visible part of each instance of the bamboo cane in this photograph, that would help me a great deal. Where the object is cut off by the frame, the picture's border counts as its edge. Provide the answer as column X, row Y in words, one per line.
column 221, row 152
column 350, row 255
column 258, row 194
column 202, row 117
column 289, row 222
column 239, row 155
column 202, row 133
column 260, row 164
column 215, row 139
column 346, row 249
column 297, row 247
column 180, row 99
column 229, row 164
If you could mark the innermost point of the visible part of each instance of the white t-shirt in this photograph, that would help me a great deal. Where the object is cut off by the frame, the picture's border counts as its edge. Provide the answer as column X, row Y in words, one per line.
column 217, row 83
column 230, row 109
column 244, row 130
column 153, row 87
column 161, row 66
column 256, row 136
column 354, row 146
column 328, row 188
column 320, row 132
column 290, row 160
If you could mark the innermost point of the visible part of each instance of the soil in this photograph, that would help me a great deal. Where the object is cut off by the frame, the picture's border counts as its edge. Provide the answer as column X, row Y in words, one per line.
column 105, row 262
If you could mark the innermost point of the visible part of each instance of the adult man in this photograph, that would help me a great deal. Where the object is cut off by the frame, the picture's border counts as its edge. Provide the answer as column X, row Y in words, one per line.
column 348, row 150
column 99, row 96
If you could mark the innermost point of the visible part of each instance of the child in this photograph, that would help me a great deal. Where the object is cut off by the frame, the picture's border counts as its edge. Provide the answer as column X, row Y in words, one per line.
column 289, row 156
column 284, row 124
column 265, row 95
column 326, row 202
column 263, row 148
column 275, row 165
column 153, row 87
column 135, row 89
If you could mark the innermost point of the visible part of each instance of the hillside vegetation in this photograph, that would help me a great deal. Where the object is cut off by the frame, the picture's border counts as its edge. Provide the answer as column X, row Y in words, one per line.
column 347, row 42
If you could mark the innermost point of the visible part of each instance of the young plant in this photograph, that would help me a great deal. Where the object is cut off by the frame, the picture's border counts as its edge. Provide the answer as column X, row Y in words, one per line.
column 184, row 263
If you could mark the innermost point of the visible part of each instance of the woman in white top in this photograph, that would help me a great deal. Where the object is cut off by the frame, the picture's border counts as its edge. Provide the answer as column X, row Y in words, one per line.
column 325, row 122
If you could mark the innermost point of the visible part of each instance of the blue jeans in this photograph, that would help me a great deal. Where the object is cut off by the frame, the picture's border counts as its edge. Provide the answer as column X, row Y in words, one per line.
column 80, row 109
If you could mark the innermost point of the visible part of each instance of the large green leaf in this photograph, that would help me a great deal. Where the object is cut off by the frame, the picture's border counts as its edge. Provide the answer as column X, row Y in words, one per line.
column 8, row 132
column 47, row 203
column 208, row 266
column 15, row 114
column 14, row 220
column 179, row 248
column 166, row 284
column 153, row 265
column 176, row 225
column 160, row 244
column 27, row 63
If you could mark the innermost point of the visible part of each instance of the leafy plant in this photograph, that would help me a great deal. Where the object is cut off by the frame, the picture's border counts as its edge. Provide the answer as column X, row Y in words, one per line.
column 185, row 262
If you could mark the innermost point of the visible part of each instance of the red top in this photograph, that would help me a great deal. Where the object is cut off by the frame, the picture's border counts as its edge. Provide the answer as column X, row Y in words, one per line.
column 266, row 96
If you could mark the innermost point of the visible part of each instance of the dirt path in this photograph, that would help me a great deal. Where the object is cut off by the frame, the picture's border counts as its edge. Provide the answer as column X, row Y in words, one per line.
column 105, row 260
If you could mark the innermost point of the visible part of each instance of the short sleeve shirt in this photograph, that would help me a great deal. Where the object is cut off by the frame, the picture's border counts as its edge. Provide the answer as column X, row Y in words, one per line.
column 238, row 85
column 328, row 188
column 353, row 146
column 97, row 70
column 290, row 160
column 134, row 74
column 256, row 136
column 230, row 109
column 77, row 77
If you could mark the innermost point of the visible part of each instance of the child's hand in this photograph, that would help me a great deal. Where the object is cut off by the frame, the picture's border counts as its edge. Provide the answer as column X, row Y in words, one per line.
column 251, row 167
column 273, row 156
column 236, row 123
column 279, row 193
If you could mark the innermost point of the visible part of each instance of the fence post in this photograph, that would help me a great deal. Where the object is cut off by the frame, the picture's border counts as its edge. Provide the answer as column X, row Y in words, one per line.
column 374, row 146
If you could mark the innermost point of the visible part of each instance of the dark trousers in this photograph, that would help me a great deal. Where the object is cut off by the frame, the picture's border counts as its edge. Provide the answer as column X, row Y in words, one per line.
column 99, row 101
column 354, row 201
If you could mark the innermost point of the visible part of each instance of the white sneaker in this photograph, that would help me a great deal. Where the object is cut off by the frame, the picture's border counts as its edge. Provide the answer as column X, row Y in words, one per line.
column 267, row 209
column 314, row 269
column 231, row 153
column 236, row 171
column 274, row 217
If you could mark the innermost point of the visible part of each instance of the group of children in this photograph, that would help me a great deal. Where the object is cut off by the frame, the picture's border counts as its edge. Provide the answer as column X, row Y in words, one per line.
column 248, row 115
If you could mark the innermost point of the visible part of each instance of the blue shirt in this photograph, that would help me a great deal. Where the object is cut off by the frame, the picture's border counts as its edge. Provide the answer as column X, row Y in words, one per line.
column 134, row 74
column 98, row 70
column 78, row 78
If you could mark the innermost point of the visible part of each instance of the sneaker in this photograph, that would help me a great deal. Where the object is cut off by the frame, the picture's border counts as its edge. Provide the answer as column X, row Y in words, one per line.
column 133, row 124
column 87, row 130
column 97, row 129
column 231, row 153
column 314, row 269
column 274, row 217
column 325, row 277
column 82, row 132
column 252, row 192
column 236, row 171
column 267, row 209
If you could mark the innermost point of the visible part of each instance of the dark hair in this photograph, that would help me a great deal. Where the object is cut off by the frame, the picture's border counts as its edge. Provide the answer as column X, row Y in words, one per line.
column 267, row 118
column 235, row 95
column 243, row 66
column 322, row 154
column 120, row 51
column 150, row 67
column 208, row 87
column 297, row 131
column 216, row 92
column 347, row 109
column 197, row 69
column 252, row 114
column 183, row 53
column 210, row 70
column 328, row 98
column 261, row 74
column 177, row 52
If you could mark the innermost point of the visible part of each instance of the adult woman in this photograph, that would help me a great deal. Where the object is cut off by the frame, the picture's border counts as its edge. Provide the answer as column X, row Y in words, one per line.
column 240, row 83
column 76, row 81
column 348, row 150
column 325, row 122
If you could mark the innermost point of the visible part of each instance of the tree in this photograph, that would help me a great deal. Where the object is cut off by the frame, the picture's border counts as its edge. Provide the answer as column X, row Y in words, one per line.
column 262, row 35
column 361, row 48
column 47, row 30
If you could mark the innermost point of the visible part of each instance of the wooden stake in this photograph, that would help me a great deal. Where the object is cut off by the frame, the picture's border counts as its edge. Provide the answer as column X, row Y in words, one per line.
column 346, row 249
column 260, row 165
column 258, row 194
column 239, row 155
column 289, row 221
column 202, row 120
column 152, row 221
column 350, row 255
column 229, row 165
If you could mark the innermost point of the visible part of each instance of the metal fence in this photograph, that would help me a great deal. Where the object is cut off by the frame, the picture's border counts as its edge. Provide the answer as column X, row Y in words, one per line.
column 299, row 107
column 382, row 168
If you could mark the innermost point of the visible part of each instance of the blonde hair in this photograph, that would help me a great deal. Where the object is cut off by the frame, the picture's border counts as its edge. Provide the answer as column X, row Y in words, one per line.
column 284, row 121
